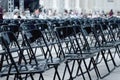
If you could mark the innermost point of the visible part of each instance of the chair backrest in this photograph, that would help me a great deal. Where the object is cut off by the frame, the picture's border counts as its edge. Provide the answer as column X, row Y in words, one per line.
column 33, row 35
column 90, row 34
column 27, row 26
column 5, row 41
column 68, row 34
column 8, row 37
column 56, row 24
column 64, row 32
column 42, row 26
column 113, row 25
column 34, row 38
column 11, row 27
column 107, row 30
column 9, row 42
column 87, row 29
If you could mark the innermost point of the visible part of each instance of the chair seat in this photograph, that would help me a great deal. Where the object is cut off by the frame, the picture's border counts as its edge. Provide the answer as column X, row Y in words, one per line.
column 25, row 69
column 2, row 74
column 91, row 50
column 55, row 61
column 78, row 56
column 111, row 43
column 84, row 55
column 116, row 43
column 17, row 49
column 108, row 46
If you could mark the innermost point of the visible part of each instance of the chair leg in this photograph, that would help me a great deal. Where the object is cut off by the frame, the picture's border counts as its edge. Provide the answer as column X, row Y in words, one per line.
column 73, row 66
column 1, row 61
column 117, row 52
column 79, row 67
column 9, row 72
column 41, row 77
column 87, row 69
column 105, row 61
column 70, row 73
column 17, row 77
column 56, row 73
column 26, row 76
column 112, row 58
column 64, row 73
column 31, row 75
column 106, row 64
column 95, row 68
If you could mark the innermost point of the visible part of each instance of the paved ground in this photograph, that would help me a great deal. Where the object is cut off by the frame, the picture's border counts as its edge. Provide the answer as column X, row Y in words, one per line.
column 115, row 75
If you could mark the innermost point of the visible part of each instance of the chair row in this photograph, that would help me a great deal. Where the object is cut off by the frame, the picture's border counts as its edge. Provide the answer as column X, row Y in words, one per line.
column 88, row 45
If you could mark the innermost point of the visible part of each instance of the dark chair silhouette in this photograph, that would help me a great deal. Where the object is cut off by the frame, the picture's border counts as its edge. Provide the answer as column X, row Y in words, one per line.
column 19, row 67
column 35, row 39
column 67, row 37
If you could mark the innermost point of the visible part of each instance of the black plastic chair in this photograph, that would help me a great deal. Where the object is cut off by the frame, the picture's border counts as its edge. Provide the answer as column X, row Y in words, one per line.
column 110, row 38
column 67, row 37
column 97, row 40
column 17, row 67
column 11, row 27
column 35, row 39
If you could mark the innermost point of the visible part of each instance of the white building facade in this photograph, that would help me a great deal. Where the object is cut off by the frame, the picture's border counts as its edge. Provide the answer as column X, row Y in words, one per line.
column 81, row 5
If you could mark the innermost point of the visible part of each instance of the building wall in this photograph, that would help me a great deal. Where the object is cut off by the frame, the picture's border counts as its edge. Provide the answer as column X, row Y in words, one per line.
column 86, row 5
column 80, row 5
column 4, row 4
